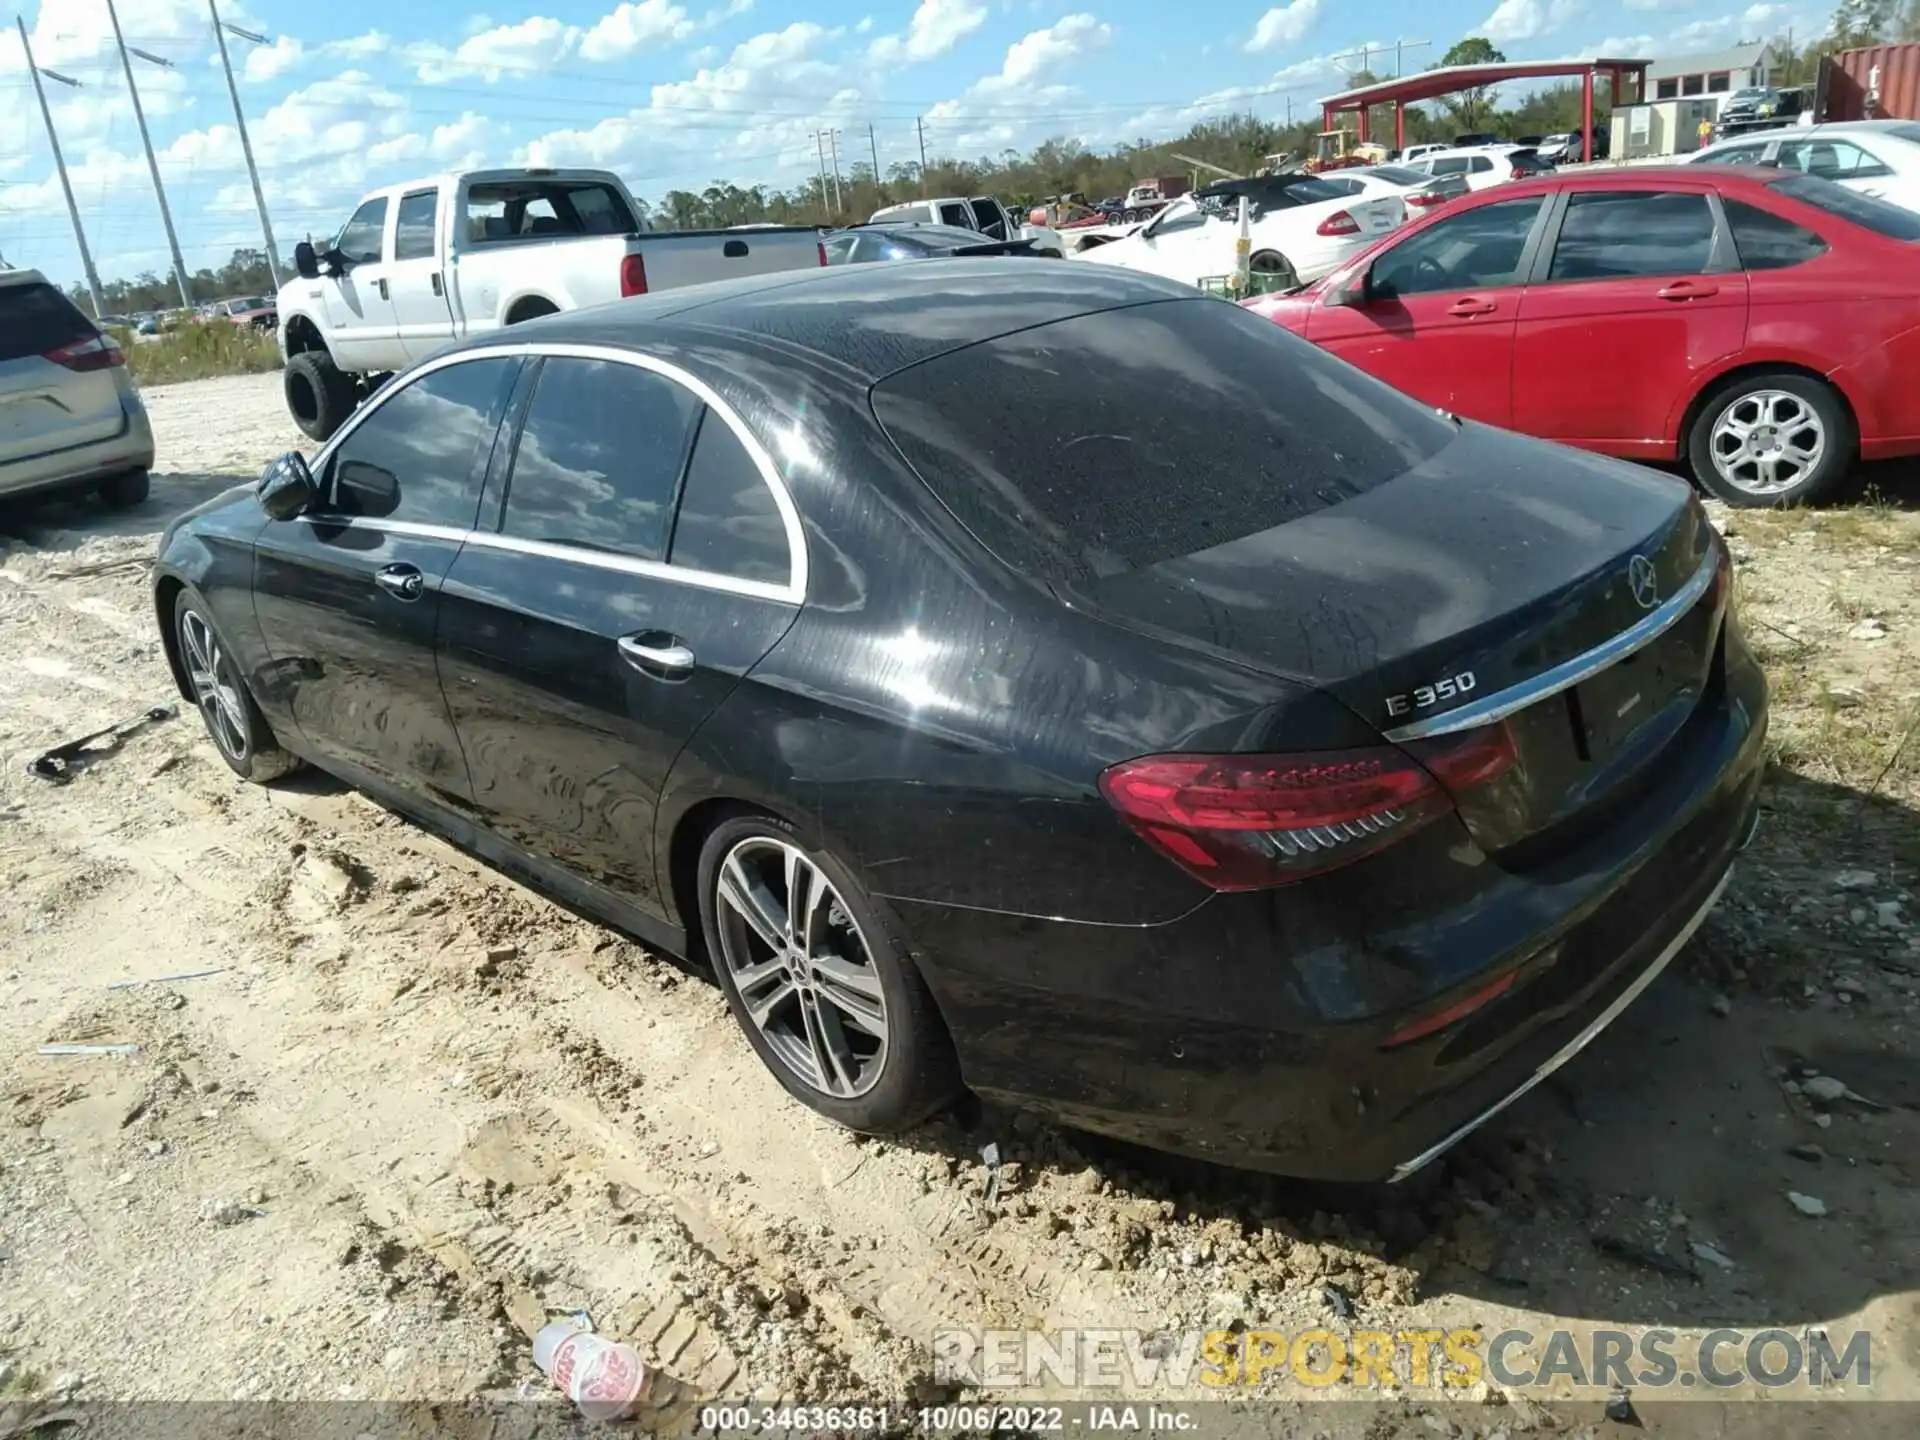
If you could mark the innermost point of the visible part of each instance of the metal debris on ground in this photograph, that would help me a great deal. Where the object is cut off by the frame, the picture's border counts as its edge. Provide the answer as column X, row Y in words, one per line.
column 59, row 765
column 1337, row 1300
column 68, row 1047
column 168, row 979
column 990, row 1157
column 1631, row 1252
column 1810, row 1205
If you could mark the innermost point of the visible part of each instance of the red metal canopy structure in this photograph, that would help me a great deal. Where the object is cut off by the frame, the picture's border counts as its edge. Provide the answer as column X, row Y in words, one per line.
column 1629, row 79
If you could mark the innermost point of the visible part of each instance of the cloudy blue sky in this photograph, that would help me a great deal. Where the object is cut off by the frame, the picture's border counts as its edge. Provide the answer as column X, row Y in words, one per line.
column 355, row 93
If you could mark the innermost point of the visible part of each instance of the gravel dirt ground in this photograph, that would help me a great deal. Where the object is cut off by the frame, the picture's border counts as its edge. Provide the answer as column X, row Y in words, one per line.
column 417, row 1109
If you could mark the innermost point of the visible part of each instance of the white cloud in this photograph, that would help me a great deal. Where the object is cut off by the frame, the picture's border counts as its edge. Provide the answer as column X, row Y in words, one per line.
column 1283, row 25
column 865, row 25
column 1528, row 19
column 265, row 62
column 630, row 27
column 1626, row 47
column 359, row 47
column 536, row 43
column 1041, row 54
column 936, row 27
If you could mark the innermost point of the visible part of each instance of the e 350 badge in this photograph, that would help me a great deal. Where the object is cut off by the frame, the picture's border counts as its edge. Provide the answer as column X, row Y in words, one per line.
column 1425, row 697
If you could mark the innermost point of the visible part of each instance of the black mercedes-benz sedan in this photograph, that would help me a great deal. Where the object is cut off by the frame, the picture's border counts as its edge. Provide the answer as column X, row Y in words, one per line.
column 1040, row 679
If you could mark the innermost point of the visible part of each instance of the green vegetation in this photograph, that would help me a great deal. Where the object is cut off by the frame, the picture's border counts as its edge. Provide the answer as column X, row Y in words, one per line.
column 197, row 352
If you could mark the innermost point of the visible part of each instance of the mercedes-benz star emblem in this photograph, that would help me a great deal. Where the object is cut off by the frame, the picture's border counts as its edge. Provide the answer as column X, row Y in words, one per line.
column 1644, row 583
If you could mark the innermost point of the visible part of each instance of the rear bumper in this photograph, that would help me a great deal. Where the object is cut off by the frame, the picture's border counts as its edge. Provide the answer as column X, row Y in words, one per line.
column 1215, row 1035
column 85, row 464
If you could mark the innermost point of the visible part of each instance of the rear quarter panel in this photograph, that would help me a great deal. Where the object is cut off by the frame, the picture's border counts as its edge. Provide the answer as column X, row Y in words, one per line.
column 572, row 272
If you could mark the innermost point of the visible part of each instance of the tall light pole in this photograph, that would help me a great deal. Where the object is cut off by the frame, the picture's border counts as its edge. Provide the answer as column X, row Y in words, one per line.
column 153, row 165
column 220, row 32
column 820, row 149
column 833, row 149
column 60, row 166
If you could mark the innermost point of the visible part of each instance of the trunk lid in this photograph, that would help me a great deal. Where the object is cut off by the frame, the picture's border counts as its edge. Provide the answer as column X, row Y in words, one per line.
column 1497, row 563
column 46, row 407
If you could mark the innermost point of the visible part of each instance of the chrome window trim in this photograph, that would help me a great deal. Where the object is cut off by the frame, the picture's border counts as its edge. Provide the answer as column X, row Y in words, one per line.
column 793, row 592
column 1568, row 673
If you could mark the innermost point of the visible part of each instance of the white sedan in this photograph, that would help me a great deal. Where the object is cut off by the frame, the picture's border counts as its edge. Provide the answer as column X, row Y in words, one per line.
column 1305, row 240
column 1880, row 158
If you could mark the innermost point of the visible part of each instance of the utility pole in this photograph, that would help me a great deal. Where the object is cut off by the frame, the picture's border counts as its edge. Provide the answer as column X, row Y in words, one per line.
column 240, row 122
column 60, row 165
column 921, row 130
column 1400, row 46
column 874, row 147
column 820, row 149
column 833, row 149
column 153, row 165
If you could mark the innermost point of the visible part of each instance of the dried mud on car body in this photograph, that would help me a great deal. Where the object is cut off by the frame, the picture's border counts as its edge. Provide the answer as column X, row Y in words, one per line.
column 419, row 1108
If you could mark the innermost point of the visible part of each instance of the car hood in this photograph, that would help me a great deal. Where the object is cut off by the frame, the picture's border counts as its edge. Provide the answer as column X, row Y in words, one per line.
column 1290, row 312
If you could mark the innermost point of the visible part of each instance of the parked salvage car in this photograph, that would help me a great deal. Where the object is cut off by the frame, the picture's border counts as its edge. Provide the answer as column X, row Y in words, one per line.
column 419, row 264
column 1762, row 328
column 1299, row 241
column 1054, row 682
column 1880, row 158
column 909, row 240
column 70, row 417
column 982, row 214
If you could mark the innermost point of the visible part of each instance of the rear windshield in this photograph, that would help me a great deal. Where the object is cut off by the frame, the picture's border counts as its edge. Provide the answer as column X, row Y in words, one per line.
column 1395, row 175
column 1875, row 215
column 36, row 318
column 516, row 209
column 1110, row 442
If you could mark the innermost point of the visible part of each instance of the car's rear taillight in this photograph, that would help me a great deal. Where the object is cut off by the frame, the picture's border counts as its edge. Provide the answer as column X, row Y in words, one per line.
column 1339, row 223
column 821, row 248
column 1517, row 174
column 633, row 276
column 96, row 352
column 1245, row 822
column 1425, row 199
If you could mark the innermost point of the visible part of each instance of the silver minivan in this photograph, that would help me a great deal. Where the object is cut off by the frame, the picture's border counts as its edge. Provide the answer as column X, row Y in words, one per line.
column 70, row 417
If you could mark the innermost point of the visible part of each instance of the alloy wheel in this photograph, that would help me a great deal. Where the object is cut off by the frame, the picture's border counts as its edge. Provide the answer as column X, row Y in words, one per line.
column 1767, row 441
column 215, row 690
column 803, row 969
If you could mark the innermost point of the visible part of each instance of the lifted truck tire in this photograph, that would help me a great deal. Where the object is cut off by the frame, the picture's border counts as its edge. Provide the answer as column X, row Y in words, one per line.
column 320, row 395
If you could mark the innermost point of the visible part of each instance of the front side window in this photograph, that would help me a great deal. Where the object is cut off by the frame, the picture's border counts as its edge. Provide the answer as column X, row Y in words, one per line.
column 1183, row 216
column 412, row 458
column 839, row 249
column 955, row 215
column 598, row 458
column 1471, row 251
column 360, row 240
column 728, row 523
column 1616, row 234
column 1767, row 241
column 413, row 228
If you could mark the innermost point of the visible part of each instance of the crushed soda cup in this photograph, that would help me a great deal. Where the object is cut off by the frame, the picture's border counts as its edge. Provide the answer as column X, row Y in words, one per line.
column 603, row 1378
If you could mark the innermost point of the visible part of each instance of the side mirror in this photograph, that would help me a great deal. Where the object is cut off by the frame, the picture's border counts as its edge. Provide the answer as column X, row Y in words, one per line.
column 286, row 489
column 306, row 262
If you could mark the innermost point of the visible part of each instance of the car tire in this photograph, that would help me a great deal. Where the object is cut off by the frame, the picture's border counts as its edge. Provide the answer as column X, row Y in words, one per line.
column 1771, row 439
column 320, row 395
column 125, row 491
column 234, row 722
column 878, row 1074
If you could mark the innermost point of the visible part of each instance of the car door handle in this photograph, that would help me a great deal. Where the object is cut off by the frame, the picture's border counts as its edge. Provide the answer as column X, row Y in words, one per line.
column 1472, row 307
column 435, row 277
column 1687, row 290
column 656, row 654
column 403, row 582
column 382, row 283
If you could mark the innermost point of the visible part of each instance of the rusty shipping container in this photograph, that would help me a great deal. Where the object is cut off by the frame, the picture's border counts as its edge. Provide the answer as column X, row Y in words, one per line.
column 1875, row 82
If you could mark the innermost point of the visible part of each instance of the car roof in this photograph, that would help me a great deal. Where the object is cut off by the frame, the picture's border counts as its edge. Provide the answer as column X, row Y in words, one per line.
column 864, row 320
column 22, row 277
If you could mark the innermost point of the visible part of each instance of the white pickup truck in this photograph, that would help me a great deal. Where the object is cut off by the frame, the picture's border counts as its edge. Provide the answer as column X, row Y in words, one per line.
column 435, row 260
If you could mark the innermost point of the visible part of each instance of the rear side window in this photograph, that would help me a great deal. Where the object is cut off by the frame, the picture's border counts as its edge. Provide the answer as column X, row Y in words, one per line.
column 37, row 318
column 728, row 522
column 412, row 458
column 1617, row 234
column 1876, row 215
column 599, row 457
column 413, row 232
column 1767, row 241
column 1110, row 442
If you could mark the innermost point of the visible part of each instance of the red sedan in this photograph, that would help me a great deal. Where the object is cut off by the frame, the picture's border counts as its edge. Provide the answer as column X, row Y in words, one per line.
column 1762, row 326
